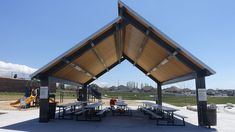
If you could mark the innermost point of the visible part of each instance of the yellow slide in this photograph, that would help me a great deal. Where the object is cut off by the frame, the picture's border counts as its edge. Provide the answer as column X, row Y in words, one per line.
column 16, row 102
column 30, row 99
column 27, row 101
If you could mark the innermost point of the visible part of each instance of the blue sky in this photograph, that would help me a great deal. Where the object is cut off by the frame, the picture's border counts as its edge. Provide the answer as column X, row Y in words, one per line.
column 35, row 32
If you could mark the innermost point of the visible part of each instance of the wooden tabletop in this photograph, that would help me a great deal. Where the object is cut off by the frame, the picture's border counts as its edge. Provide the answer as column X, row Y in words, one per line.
column 164, row 108
column 72, row 104
column 94, row 105
column 148, row 103
column 121, row 104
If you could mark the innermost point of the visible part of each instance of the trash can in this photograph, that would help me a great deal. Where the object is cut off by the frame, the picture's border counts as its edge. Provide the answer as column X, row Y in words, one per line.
column 211, row 115
column 52, row 109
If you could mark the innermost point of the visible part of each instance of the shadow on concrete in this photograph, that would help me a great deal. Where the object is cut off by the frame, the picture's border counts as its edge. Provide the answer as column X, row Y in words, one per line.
column 137, row 123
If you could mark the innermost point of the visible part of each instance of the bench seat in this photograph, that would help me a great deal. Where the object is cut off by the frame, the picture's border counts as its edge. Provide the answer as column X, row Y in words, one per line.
column 80, row 112
column 102, row 113
column 181, row 116
column 152, row 113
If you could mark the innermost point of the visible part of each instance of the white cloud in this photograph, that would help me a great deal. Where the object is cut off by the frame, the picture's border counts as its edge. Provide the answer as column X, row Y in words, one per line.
column 9, row 69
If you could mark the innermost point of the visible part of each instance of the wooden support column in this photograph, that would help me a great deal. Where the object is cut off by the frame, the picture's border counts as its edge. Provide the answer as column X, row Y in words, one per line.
column 159, row 94
column 84, row 90
column 44, row 103
column 201, row 99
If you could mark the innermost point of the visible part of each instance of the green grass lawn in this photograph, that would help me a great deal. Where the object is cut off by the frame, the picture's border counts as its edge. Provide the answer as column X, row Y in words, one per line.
column 5, row 96
column 174, row 100
column 129, row 95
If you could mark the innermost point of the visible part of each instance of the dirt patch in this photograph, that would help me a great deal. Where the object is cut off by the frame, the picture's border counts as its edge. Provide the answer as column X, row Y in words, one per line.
column 5, row 105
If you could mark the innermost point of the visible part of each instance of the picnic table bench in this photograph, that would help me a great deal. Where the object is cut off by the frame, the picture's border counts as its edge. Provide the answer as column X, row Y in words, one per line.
column 92, row 112
column 152, row 115
column 102, row 113
column 68, row 109
column 122, row 109
column 166, row 113
column 79, row 113
column 181, row 116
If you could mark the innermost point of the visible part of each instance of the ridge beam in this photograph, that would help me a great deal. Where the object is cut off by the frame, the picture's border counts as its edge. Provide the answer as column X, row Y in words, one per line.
column 118, row 41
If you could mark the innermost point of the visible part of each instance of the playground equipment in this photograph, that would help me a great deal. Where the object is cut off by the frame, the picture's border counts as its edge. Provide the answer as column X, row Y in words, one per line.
column 22, row 102
column 15, row 103
column 31, row 95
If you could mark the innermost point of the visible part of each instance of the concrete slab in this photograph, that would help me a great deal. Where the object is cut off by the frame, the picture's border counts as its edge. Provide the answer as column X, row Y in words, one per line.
column 28, row 121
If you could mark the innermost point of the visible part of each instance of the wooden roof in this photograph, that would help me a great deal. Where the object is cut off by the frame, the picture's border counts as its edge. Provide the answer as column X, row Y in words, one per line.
column 128, row 37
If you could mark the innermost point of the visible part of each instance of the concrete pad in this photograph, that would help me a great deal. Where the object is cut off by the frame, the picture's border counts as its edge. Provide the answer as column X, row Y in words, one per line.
column 27, row 120
column 138, row 123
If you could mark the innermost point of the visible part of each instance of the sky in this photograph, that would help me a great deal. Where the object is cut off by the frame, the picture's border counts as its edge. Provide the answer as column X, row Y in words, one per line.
column 9, row 70
column 32, row 33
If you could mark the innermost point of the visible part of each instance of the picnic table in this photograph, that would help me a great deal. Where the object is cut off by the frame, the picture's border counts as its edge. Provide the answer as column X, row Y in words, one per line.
column 169, row 111
column 160, row 108
column 121, row 104
column 122, row 108
column 70, row 106
column 91, row 112
column 148, row 104
column 94, row 105
column 166, row 113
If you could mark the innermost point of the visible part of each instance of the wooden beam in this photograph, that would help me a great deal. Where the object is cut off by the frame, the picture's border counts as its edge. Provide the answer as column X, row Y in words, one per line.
column 104, row 71
column 160, row 42
column 98, row 56
column 80, row 69
column 141, row 48
column 180, row 79
column 163, row 62
column 55, row 79
column 141, row 69
column 120, row 37
column 118, row 42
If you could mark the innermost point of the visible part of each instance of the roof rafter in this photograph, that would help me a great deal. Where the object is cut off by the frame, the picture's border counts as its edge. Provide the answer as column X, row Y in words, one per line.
column 104, row 71
column 80, row 69
column 141, row 48
column 186, row 77
column 98, row 56
column 141, row 69
column 163, row 62
column 64, row 81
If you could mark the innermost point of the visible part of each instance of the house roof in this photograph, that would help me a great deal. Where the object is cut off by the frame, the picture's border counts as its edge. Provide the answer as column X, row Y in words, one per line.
column 129, row 37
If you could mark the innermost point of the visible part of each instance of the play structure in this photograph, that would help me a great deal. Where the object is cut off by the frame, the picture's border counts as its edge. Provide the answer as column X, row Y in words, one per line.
column 24, row 101
column 30, row 97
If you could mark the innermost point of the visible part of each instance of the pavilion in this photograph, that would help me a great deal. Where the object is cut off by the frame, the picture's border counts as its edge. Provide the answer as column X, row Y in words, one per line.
column 128, row 37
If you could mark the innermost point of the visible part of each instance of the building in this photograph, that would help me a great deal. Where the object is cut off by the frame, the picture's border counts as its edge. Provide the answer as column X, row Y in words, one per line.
column 128, row 37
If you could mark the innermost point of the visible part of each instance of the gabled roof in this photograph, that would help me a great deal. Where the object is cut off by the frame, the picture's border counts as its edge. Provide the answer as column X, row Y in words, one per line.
column 128, row 37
